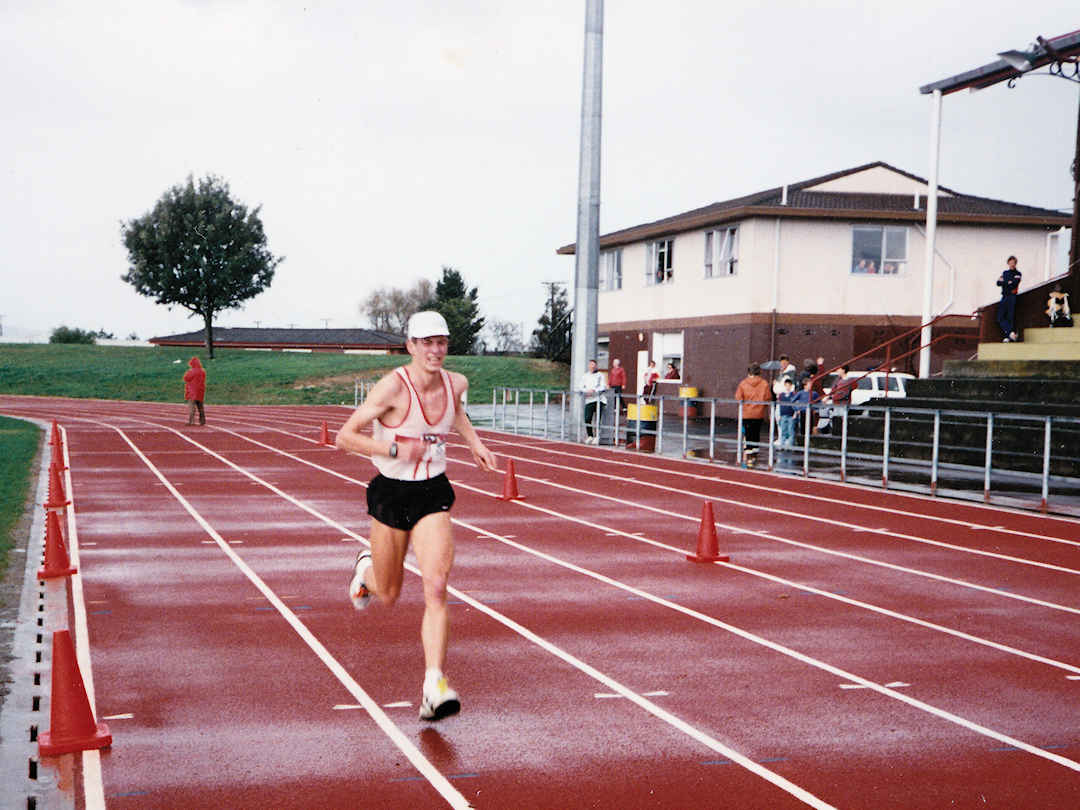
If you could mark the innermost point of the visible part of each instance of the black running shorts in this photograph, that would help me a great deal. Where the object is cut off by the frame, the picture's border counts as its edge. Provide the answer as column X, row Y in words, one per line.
column 401, row 504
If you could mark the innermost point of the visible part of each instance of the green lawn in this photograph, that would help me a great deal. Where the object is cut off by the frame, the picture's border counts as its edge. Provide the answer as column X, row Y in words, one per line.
column 236, row 376
column 18, row 443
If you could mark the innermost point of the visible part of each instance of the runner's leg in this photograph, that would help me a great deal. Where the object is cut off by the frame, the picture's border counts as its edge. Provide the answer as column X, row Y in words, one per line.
column 388, row 547
column 433, row 544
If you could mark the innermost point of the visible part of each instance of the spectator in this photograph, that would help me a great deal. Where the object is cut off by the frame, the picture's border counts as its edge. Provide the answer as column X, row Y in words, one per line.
column 805, row 402
column 1009, row 281
column 785, row 368
column 754, row 392
column 195, row 390
column 617, row 382
column 648, row 381
column 672, row 372
column 787, row 412
column 592, row 384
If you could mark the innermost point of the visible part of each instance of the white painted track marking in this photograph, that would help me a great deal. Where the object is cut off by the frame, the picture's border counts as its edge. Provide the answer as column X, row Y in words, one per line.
column 411, row 752
column 652, row 708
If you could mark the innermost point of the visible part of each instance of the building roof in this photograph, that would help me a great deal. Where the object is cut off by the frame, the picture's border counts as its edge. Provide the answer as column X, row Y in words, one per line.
column 244, row 338
column 1064, row 46
column 806, row 200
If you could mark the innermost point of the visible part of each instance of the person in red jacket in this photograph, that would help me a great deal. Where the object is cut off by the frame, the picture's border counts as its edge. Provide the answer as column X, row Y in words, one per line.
column 195, row 390
column 754, row 392
column 616, row 380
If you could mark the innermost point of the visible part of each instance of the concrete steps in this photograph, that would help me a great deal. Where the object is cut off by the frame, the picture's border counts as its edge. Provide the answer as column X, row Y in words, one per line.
column 1038, row 344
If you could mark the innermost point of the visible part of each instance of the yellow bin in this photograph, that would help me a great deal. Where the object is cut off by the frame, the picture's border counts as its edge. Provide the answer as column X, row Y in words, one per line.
column 641, row 424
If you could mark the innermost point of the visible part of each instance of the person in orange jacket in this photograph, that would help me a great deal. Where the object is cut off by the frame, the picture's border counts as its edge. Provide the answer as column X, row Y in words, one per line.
column 754, row 392
column 195, row 390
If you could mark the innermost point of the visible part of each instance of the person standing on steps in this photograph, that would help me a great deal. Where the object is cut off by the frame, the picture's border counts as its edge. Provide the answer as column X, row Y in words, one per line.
column 1009, row 281
column 411, row 411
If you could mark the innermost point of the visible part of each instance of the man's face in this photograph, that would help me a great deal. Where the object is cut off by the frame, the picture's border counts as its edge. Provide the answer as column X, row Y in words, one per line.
column 429, row 352
column 592, row 366
column 1012, row 264
column 616, row 362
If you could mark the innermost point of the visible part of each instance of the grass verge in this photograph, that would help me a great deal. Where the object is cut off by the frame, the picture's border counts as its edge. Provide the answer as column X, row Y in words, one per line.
column 18, row 444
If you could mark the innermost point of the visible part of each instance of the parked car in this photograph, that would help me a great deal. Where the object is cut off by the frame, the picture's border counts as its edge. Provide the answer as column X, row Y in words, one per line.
column 874, row 384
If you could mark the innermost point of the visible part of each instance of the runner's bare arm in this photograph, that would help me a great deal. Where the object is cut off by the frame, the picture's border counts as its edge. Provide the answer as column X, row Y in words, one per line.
column 353, row 436
column 483, row 457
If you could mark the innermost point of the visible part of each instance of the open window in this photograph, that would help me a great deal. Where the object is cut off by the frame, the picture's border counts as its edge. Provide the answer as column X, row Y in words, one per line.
column 659, row 260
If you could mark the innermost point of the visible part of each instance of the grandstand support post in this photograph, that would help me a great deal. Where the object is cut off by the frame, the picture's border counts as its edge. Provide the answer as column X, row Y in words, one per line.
column 885, row 453
column 989, row 452
column 931, row 236
column 934, row 453
column 1046, row 463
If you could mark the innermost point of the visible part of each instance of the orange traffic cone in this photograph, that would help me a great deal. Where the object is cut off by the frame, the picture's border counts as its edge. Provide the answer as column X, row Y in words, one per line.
column 57, row 496
column 510, row 490
column 324, row 434
column 707, row 546
column 72, row 725
column 57, row 562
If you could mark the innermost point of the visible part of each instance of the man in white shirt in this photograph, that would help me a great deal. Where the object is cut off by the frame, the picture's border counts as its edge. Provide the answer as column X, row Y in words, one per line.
column 593, row 385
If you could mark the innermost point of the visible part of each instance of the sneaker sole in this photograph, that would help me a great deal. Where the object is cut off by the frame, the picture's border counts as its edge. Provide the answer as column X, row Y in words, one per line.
column 359, row 600
column 444, row 709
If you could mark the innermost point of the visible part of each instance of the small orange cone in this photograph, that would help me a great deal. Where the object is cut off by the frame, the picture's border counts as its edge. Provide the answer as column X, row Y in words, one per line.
column 324, row 434
column 72, row 725
column 57, row 496
column 707, row 545
column 510, row 490
column 57, row 562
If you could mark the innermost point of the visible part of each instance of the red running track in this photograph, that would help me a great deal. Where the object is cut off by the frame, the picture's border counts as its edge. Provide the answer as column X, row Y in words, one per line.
column 862, row 649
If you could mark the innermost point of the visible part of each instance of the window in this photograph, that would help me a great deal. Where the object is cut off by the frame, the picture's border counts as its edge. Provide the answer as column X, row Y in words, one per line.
column 611, row 269
column 658, row 267
column 668, row 348
column 877, row 250
column 721, row 252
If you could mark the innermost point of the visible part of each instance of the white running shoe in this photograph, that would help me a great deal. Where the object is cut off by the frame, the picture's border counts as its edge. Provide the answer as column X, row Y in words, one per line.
column 439, row 702
column 359, row 593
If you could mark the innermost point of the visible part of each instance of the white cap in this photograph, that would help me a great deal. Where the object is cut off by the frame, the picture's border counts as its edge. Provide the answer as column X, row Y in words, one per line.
column 427, row 324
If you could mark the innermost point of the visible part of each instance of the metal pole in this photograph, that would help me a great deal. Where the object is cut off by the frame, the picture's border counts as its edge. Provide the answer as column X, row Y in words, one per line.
column 685, row 417
column 885, row 453
column 660, row 426
column 562, row 416
column 712, row 428
column 772, row 427
column 934, row 456
column 931, row 235
column 494, row 407
column 808, row 428
column 989, row 450
column 587, row 250
column 740, row 450
column 532, row 430
column 546, row 401
column 1046, row 464
column 843, row 445
column 517, row 408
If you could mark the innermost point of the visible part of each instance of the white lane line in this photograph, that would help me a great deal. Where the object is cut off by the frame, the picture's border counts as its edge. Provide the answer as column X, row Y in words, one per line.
column 411, row 752
column 791, row 653
column 786, row 513
column 93, row 784
column 639, row 536
column 786, row 493
column 126, row 716
column 687, row 729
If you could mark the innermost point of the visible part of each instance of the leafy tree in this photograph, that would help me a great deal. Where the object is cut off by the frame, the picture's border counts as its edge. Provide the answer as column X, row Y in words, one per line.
column 65, row 334
column 101, row 333
column 551, row 339
column 389, row 310
column 458, row 305
column 199, row 249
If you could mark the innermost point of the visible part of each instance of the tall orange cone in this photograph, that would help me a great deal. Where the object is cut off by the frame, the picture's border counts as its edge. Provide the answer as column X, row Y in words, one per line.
column 57, row 562
column 71, row 725
column 510, row 490
column 57, row 497
column 708, row 548
column 324, row 434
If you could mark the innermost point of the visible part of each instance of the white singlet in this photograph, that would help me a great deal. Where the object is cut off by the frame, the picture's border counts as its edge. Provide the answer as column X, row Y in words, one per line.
column 416, row 427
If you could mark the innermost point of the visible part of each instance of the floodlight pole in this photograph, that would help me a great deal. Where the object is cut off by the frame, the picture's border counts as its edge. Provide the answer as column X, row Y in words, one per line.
column 587, row 250
column 931, row 236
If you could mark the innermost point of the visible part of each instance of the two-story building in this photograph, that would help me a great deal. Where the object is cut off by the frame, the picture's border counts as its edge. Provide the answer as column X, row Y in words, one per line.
column 830, row 267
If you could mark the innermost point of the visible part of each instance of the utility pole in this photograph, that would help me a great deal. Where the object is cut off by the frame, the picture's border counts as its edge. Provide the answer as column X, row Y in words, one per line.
column 587, row 251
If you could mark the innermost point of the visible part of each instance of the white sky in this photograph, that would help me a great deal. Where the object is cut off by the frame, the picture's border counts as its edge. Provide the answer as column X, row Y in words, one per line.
column 385, row 139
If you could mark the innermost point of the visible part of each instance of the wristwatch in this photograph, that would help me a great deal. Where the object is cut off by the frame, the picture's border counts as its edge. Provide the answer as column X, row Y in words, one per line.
column 393, row 449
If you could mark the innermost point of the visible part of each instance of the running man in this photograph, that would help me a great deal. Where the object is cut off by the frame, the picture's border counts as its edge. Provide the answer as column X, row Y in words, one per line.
column 411, row 411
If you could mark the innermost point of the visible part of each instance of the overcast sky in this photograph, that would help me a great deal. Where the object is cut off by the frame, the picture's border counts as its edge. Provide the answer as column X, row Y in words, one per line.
column 386, row 139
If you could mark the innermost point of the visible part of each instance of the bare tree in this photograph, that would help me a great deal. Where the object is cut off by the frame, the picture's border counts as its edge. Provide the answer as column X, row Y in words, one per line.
column 505, row 336
column 389, row 309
